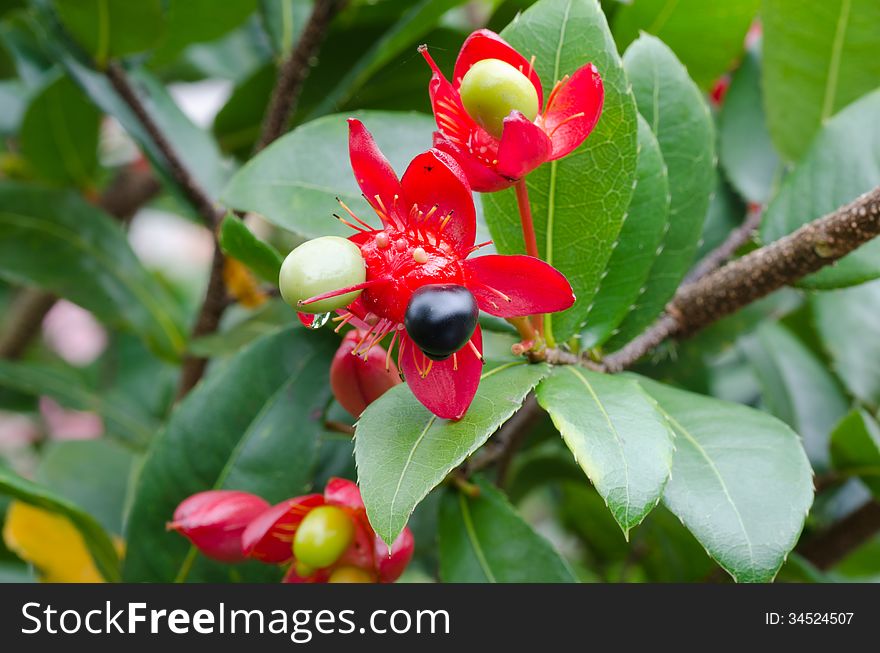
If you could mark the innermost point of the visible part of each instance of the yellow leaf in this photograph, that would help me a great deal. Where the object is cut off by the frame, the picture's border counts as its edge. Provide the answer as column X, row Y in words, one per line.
column 51, row 543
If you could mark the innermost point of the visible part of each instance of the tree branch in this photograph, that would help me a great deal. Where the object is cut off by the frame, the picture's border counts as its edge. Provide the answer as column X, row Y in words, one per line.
column 726, row 250
column 130, row 189
column 830, row 547
column 294, row 71
column 757, row 274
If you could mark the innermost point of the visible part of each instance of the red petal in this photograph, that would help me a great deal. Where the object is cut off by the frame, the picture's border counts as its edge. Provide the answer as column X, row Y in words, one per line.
column 445, row 391
column 481, row 177
column 215, row 519
column 583, row 94
column 342, row 492
column 432, row 179
column 373, row 173
column 269, row 537
column 391, row 564
column 320, row 576
column 531, row 285
column 360, row 553
column 524, row 146
column 485, row 44
column 307, row 319
column 452, row 118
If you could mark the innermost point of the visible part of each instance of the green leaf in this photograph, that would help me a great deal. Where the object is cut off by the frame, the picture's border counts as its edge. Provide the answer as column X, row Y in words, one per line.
column 57, row 241
column 242, row 244
column 19, row 36
column 247, row 327
column 194, row 146
column 855, row 448
column 59, row 134
column 706, row 36
column 237, row 124
column 123, row 420
column 847, row 322
column 94, row 474
column 252, row 425
column 678, row 115
column 578, row 203
column 740, row 481
column 295, row 181
column 726, row 212
column 616, row 434
column 400, row 460
column 818, row 57
column 13, row 103
column 746, row 151
column 196, row 21
column 412, row 25
column 284, row 20
column 797, row 388
column 641, row 234
column 842, row 163
column 97, row 541
column 484, row 540
column 111, row 28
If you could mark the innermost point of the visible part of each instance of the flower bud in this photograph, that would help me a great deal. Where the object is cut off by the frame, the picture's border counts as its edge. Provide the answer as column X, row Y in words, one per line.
column 356, row 382
column 392, row 562
column 215, row 520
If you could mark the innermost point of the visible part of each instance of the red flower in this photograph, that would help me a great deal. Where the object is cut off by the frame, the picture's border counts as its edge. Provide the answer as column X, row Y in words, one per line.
column 357, row 381
column 215, row 520
column 270, row 536
column 428, row 231
column 491, row 163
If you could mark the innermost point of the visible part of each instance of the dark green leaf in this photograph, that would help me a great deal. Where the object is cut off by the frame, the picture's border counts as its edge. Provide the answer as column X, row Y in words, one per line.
column 797, row 388
column 57, row 241
column 94, row 474
column 855, row 448
column 111, row 28
column 59, row 134
column 847, row 322
column 636, row 246
column 818, row 57
column 32, row 62
column 706, row 36
column 12, row 105
column 401, row 460
column 578, row 203
column 677, row 113
column 284, row 20
column 123, row 420
column 726, row 212
column 195, row 21
column 740, row 481
column 252, row 425
column 237, row 124
column 484, row 540
column 412, row 25
column 842, row 163
column 746, row 151
column 96, row 539
column 616, row 434
column 242, row 244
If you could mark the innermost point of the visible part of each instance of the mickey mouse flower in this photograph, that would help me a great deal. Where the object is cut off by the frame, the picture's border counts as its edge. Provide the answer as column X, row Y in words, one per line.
column 490, row 118
column 321, row 538
column 412, row 279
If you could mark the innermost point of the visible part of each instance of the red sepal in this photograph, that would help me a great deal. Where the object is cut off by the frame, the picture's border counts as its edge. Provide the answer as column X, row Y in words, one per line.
column 269, row 537
column 392, row 563
column 573, row 110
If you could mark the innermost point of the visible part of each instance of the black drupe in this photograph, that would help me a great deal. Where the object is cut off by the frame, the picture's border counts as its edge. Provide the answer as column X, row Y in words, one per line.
column 441, row 318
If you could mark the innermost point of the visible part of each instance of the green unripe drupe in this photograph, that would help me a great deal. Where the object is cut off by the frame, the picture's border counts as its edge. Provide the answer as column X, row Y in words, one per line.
column 320, row 266
column 323, row 536
column 491, row 89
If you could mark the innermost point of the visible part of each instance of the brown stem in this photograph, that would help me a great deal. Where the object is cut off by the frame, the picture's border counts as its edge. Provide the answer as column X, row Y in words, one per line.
column 210, row 213
column 726, row 250
column 294, row 71
column 130, row 189
column 830, row 547
column 757, row 274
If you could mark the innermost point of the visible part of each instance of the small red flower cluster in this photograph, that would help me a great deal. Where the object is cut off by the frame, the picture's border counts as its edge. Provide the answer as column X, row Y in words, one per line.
column 329, row 532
